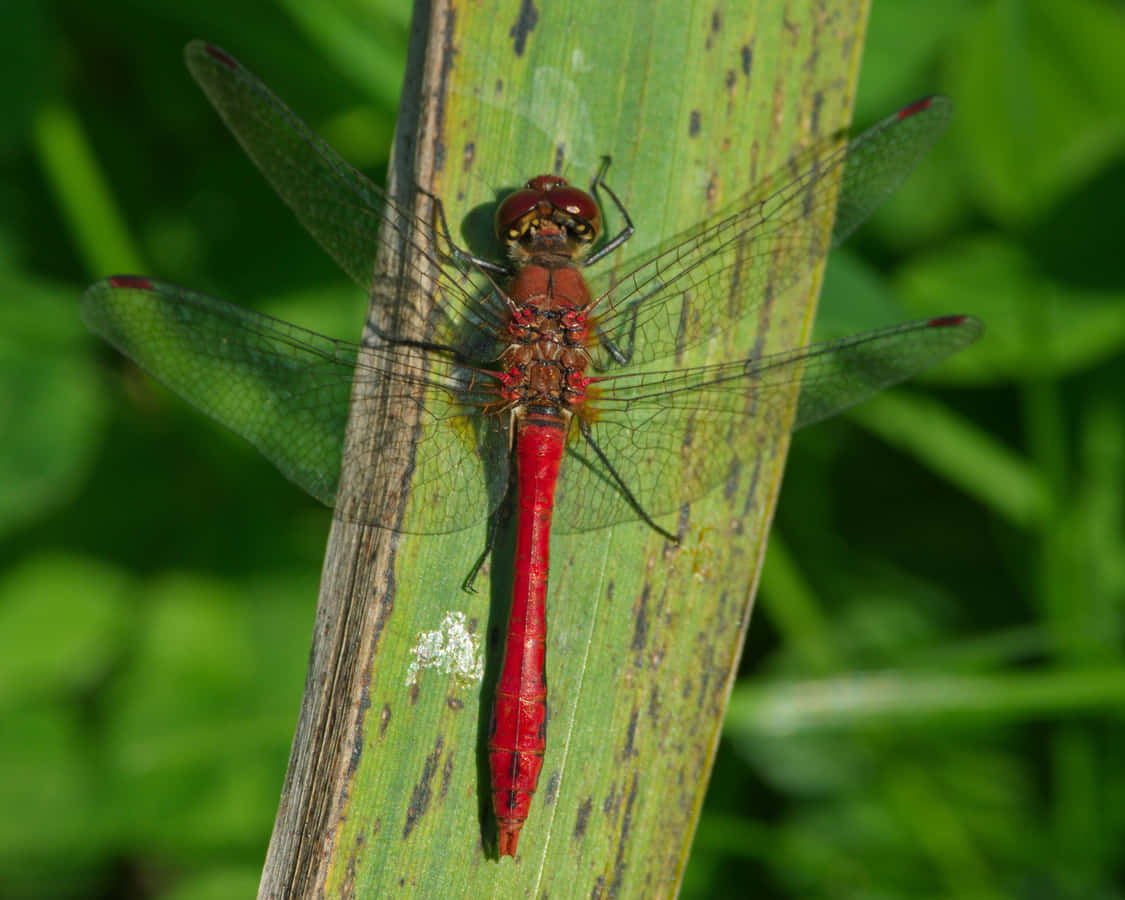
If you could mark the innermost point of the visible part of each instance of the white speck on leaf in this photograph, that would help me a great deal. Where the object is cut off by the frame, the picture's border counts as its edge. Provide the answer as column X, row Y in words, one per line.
column 452, row 649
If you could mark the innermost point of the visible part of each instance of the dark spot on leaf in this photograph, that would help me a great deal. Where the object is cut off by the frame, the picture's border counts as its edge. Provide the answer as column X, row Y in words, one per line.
column 654, row 704
column 421, row 795
column 731, row 484
column 582, row 818
column 552, row 789
column 525, row 24
column 640, row 622
column 629, row 749
column 614, row 887
column 609, row 804
column 446, row 776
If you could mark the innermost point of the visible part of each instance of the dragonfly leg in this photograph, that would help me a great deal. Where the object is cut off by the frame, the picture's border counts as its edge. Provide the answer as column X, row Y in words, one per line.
column 455, row 250
column 626, row 232
column 621, row 486
column 498, row 518
column 622, row 353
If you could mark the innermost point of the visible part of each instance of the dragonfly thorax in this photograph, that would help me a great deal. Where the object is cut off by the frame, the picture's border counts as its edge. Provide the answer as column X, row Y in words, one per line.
column 546, row 357
column 545, row 385
column 545, row 367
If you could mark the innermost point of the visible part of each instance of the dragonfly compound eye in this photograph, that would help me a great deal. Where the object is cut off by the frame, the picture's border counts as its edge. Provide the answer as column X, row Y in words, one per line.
column 547, row 192
column 580, row 206
column 514, row 208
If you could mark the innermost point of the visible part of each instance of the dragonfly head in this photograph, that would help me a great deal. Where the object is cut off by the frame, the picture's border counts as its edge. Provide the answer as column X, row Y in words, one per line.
column 548, row 216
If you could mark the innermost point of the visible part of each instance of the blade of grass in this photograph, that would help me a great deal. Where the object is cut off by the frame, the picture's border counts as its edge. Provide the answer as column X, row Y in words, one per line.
column 900, row 699
column 72, row 171
column 960, row 453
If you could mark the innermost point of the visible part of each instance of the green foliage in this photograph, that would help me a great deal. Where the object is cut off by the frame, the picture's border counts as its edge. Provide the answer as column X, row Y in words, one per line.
column 959, row 546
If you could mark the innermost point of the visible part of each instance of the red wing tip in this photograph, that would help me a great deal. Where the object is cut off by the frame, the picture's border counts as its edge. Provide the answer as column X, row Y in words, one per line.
column 946, row 321
column 130, row 281
column 914, row 108
column 218, row 54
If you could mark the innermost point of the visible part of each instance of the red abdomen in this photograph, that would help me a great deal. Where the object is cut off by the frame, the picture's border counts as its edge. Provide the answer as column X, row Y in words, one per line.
column 518, row 735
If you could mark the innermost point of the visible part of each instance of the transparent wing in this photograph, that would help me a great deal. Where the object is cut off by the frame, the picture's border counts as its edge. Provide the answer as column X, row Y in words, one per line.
column 344, row 211
column 286, row 390
column 704, row 279
column 671, row 436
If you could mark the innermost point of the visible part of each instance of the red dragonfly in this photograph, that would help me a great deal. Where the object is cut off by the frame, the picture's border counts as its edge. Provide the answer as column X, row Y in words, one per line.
column 549, row 372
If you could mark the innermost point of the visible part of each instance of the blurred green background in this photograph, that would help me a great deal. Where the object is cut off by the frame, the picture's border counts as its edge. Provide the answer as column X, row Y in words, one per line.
column 930, row 702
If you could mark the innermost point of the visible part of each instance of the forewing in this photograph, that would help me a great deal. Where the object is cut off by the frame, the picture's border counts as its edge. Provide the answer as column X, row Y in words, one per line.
column 286, row 390
column 711, row 276
column 673, row 436
column 344, row 211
